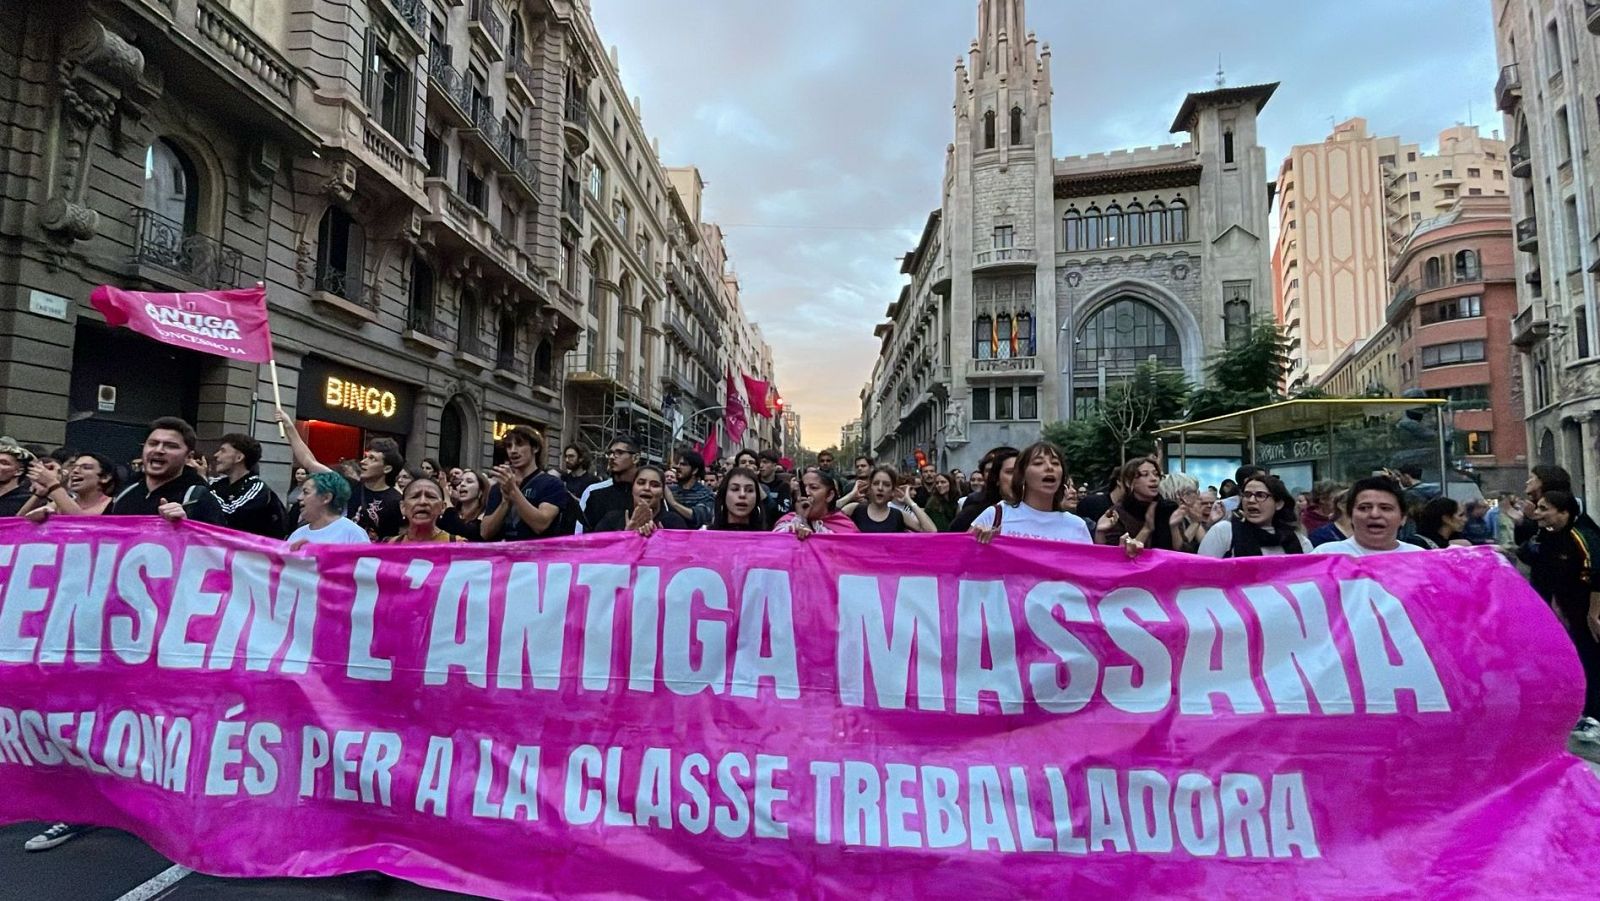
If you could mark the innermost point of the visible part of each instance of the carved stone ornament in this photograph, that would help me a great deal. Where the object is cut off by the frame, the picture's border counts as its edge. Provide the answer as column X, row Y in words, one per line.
column 97, row 67
column 955, row 423
column 1074, row 279
column 1180, row 271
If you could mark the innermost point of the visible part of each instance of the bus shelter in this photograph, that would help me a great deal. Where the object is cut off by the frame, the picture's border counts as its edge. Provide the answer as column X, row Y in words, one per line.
column 1313, row 440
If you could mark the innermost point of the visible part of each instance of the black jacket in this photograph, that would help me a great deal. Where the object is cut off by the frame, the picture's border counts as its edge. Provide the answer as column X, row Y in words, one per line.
column 250, row 506
column 187, row 489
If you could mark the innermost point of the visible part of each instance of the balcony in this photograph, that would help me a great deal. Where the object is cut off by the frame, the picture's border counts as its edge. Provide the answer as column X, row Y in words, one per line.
column 338, row 288
column 595, row 369
column 1530, row 326
column 521, row 75
column 242, row 54
column 1508, row 89
column 424, row 331
column 1003, row 258
column 163, row 244
column 572, row 204
column 1521, row 161
column 459, row 226
column 1003, row 368
column 415, row 14
column 486, row 28
column 471, row 349
column 1528, row 235
column 448, row 91
column 576, row 125
column 1447, row 180
column 1591, row 13
column 680, row 329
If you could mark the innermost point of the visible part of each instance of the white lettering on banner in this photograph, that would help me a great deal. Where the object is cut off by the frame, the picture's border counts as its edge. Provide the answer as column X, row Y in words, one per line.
column 867, row 643
column 344, row 394
column 326, row 765
column 532, row 629
column 199, row 324
column 462, row 607
column 132, row 745
column 1143, row 811
column 620, row 789
column 267, row 617
column 359, row 662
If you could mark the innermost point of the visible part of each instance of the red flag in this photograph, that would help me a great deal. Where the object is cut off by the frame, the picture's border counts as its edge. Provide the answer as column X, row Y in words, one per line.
column 709, row 450
column 757, row 391
column 231, row 324
column 733, row 411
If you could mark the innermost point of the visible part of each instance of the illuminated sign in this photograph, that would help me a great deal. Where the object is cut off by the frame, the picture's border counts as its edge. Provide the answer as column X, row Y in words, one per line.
column 344, row 394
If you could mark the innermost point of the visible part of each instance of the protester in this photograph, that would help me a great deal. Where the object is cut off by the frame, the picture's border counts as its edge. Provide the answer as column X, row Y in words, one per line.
column 1376, row 507
column 815, row 513
column 1266, row 524
column 738, row 503
column 90, row 484
column 825, row 466
column 1038, row 480
column 421, row 506
column 1340, row 528
column 430, row 470
column 536, row 497
column 943, row 505
column 927, row 484
column 575, row 474
column 248, row 503
column 887, row 509
column 616, row 492
column 1564, row 571
column 993, row 472
column 168, row 487
column 405, row 477
column 323, row 498
column 1188, row 521
column 1232, row 487
column 467, row 500
column 863, row 467
column 1141, row 516
column 1440, row 523
column 650, row 511
column 14, row 490
column 689, row 497
column 1321, row 508
column 374, row 502
column 777, row 492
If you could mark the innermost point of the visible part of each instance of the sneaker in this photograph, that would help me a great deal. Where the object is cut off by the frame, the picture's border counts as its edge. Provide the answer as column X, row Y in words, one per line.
column 58, row 834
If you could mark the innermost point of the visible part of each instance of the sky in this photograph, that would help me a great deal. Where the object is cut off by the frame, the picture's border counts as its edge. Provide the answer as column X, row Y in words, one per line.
column 820, row 126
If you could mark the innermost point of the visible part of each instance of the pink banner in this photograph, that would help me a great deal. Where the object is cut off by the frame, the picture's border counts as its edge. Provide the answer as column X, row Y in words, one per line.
column 230, row 324
column 718, row 714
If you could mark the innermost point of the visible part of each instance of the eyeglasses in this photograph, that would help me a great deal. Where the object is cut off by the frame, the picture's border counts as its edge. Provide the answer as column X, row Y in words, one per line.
column 1255, row 495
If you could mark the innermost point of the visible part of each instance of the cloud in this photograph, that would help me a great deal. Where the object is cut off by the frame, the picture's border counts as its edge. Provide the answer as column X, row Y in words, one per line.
column 821, row 126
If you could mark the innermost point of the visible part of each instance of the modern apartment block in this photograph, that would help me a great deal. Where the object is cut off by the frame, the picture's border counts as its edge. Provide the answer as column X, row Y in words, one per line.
column 1344, row 204
column 1549, row 52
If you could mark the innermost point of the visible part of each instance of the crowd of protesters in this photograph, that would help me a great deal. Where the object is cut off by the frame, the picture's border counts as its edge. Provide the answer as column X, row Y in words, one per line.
column 1019, row 493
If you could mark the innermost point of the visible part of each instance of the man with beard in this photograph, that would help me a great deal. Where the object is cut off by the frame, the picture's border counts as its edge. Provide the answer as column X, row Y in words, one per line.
column 615, row 493
column 374, row 502
column 689, row 496
column 575, row 472
column 537, row 497
column 167, row 486
column 924, row 492
column 246, row 500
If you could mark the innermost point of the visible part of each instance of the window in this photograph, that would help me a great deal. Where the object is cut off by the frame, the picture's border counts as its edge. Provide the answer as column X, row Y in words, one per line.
column 468, row 323
column 505, row 356
column 1464, row 397
column 988, row 130
column 1412, row 176
column 1580, row 331
column 1416, row 196
column 1022, row 327
column 1448, row 173
column 1027, row 402
column 1235, row 312
column 1449, row 193
column 1178, row 217
column 420, row 312
column 1474, row 173
column 1454, row 308
column 1499, row 175
column 473, row 188
column 1133, row 232
column 1563, row 127
column 437, row 153
column 1004, row 236
column 1552, row 48
column 1416, row 217
column 980, row 403
column 1476, row 444
column 1111, row 226
column 544, row 362
column 569, row 266
column 340, row 245
column 388, row 87
column 621, row 215
column 482, row 104
column 1411, row 158
column 1227, row 146
column 1121, row 335
column 1467, row 267
column 1574, row 237
column 1474, row 192
column 1071, row 228
column 597, row 182
column 1156, row 222
column 1003, row 409
column 1432, row 273
column 984, row 338
column 1016, row 125
column 1452, row 353
column 508, row 221
column 171, row 188
column 1386, row 160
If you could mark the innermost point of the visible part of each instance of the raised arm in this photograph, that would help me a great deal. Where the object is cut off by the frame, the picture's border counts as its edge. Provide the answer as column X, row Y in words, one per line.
column 297, row 445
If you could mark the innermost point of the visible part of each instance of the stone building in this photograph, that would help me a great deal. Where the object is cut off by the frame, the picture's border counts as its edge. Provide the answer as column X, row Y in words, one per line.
column 1344, row 204
column 392, row 171
column 1549, row 52
column 1041, row 281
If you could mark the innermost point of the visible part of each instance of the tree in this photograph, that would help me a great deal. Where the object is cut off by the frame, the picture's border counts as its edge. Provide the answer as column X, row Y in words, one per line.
column 1248, row 374
column 1119, row 428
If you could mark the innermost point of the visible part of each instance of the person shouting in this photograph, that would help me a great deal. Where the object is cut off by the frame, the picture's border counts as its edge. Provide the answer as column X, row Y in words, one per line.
column 1376, row 506
column 650, row 511
column 887, row 509
column 1266, row 524
column 1038, row 479
column 421, row 506
column 168, row 487
column 739, row 507
column 323, row 498
column 814, row 511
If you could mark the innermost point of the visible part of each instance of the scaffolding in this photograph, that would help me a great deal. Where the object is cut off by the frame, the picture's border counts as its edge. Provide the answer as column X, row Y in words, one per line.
column 609, row 400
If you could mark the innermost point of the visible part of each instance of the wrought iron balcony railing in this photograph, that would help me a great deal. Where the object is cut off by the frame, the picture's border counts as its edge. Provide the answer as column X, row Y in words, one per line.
column 340, row 283
column 165, row 244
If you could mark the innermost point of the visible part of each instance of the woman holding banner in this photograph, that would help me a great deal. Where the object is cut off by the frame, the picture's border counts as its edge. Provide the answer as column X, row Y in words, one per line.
column 1039, row 482
column 650, row 510
column 814, row 511
column 738, row 504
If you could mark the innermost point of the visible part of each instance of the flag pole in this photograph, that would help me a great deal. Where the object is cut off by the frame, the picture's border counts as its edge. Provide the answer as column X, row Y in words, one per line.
column 272, row 370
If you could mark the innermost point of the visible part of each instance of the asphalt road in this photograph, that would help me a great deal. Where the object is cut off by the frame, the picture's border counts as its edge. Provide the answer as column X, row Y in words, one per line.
column 107, row 865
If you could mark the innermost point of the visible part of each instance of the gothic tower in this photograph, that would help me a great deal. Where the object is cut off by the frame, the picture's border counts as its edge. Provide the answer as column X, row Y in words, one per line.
column 999, row 223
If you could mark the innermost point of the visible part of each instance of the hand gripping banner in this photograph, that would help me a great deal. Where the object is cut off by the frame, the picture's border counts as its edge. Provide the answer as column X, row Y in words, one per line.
column 717, row 714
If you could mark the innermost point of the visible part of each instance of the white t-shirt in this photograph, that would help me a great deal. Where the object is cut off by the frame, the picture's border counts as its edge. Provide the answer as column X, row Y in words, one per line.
column 340, row 531
column 1219, row 540
column 1022, row 521
column 1350, row 547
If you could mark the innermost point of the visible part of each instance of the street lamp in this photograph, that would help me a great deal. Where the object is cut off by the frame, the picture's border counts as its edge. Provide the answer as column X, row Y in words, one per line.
column 677, row 431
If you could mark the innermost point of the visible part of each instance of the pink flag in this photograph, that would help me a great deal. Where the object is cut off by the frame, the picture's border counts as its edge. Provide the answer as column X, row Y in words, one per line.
column 230, row 324
column 708, row 450
column 758, row 391
column 733, row 412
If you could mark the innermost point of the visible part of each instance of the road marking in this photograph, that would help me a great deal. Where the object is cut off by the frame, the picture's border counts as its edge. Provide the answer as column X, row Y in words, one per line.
column 156, row 884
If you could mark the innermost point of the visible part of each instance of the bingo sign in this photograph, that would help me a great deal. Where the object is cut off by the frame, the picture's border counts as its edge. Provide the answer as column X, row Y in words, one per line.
column 353, row 397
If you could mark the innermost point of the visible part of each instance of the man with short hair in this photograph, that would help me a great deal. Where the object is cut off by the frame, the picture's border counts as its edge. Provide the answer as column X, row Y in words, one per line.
column 925, row 489
column 575, row 473
column 537, row 498
column 689, row 497
column 825, row 466
column 615, row 493
column 168, row 487
column 14, row 488
column 863, row 467
column 1377, row 509
column 776, row 496
column 248, row 503
column 374, row 503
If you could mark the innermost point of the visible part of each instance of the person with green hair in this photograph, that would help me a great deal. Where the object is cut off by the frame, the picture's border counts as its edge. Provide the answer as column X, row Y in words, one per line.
column 323, row 497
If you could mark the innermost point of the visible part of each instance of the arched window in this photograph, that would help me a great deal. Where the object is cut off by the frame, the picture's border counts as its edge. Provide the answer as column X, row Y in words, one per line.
column 1178, row 221
column 420, row 311
column 1467, row 268
column 1071, row 223
column 544, row 362
column 1133, row 231
column 171, row 186
column 1111, row 225
column 983, row 338
column 505, row 354
column 1121, row 335
column 514, row 38
column 1016, row 125
column 1432, row 273
column 1007, row 338
column 451, row 432
column 1025, row 341
column 988, row 130
column 1092, row 237
column 1155, row 218
column 1235, row 321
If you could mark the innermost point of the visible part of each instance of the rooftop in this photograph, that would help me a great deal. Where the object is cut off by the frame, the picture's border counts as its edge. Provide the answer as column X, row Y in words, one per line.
column 1260, row 93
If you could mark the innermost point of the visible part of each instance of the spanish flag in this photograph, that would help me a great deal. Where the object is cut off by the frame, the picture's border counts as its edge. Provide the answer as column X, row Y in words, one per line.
column 1014, row 336
column 994, row 338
